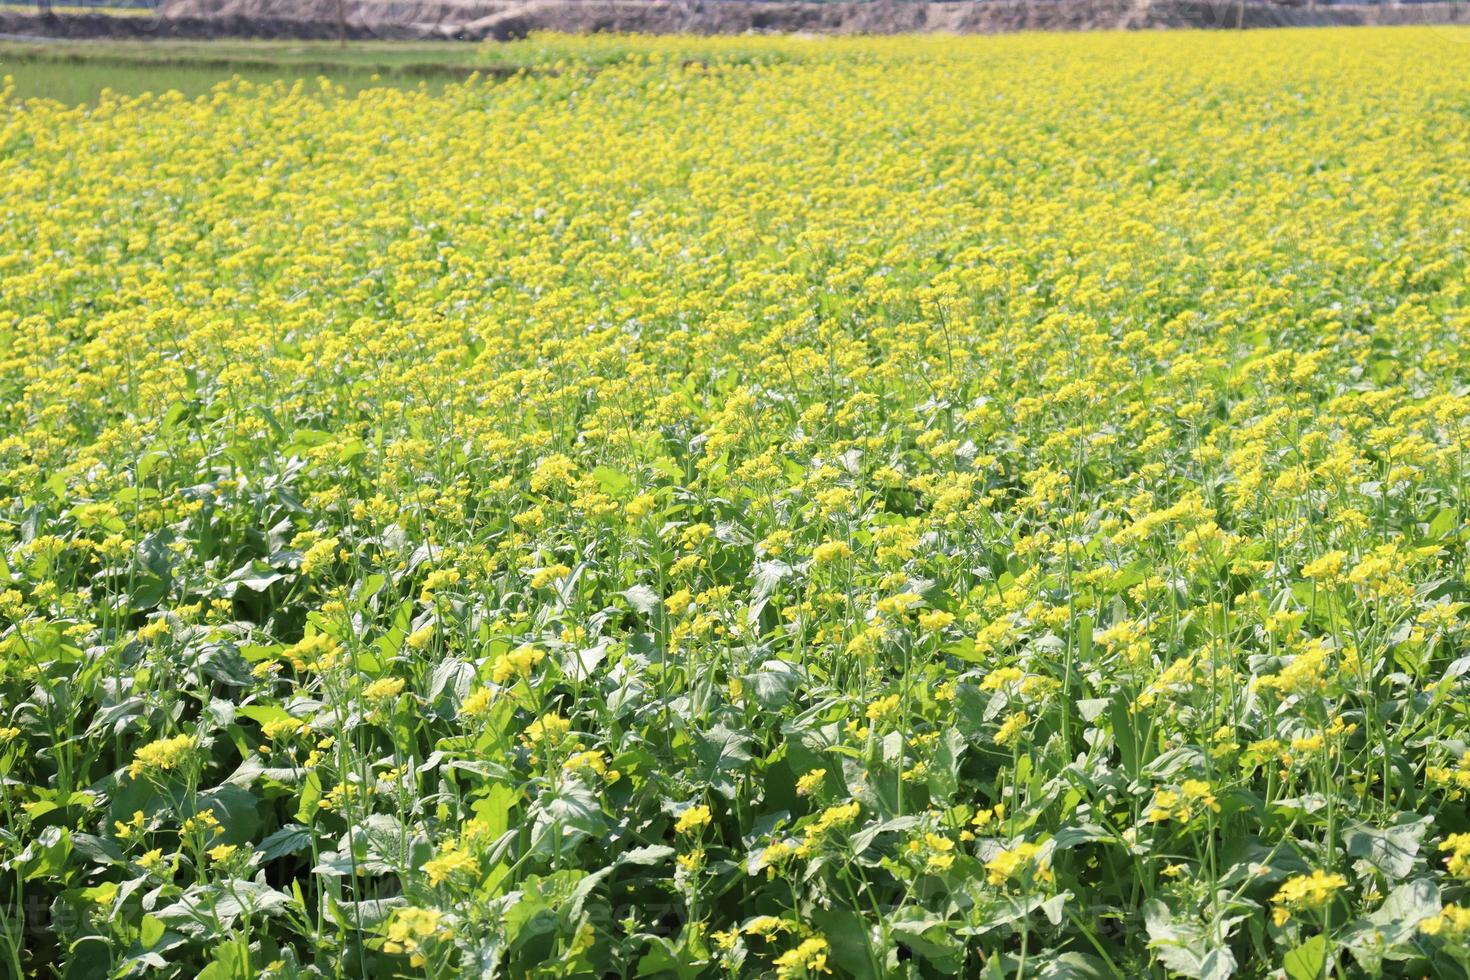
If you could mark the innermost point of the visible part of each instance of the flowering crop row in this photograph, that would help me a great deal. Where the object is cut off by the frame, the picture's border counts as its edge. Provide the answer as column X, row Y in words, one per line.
column 910, row 507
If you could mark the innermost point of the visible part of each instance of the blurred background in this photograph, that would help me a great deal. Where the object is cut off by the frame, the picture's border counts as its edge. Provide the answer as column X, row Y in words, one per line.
column 74, row 51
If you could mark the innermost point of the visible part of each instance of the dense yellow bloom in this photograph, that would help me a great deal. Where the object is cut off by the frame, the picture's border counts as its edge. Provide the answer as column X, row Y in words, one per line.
column 410, row 927
column 806, row 960
column 1012, row 728
column 1198, row 790
column 831, row 551
column 936, row 850
column 517, row 663
column 282, row 728
column 316, row 652
column 164, row 755
column 1456, row 778
column 935, row 620
column 448, row 862
column 810, row 781
column 319, row 555
column 882, row 707
column 152, row 631
column 477, row 703
column 692, row 819
column 1326, row 569
column 766, row 926
column 1458, row 846
column 833, row 818
column 549, row 575
column 1306, row 673
column 384, row 689
column 591, row 764
column 997, row 679
column 438, row 579
column 985, row 816
column 1020, row 861
column 640, row 505
column 546, row 731
column 1305, row 892
column 1451, row 924
column 1192, row 796
column 204, row 823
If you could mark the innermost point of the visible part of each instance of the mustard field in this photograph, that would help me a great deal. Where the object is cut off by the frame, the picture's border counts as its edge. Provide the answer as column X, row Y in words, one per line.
column 763, row 508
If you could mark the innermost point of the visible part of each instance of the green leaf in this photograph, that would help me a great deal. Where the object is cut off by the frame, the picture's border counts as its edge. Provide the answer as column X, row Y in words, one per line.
column 864, row 838
column 350, row 450
column 1408, row 905
column 1134, row 748
column 263, row 714
column 847, row 934
column 612, row 482
column 1308, row 961
column 1178, row 941
column 311, row 798
column 256, row 576
column 944, row 769
column 664, row 959
column 642, row 598
column 768, row 578
column 237, row 809
column 970, row 704
column 720, row 752
column 1218, row 964
column 46, row 856
column 1443, row 523
column 929, row 937
column 307, row 439
column 494, row 807
column 1069, row 965
column 964, row 649
column 450, row 684
column 88, row 959
column 1392, row 850
column 290, row 839
column 667, row 466
column 774, row 685
column 151, row 930
column 652, row 854
column 231, row 962
column 563, row 817
column 1073, row 836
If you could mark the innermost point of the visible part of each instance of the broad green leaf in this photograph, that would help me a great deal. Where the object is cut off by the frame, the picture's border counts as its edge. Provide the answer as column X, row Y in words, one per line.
column 1307, row 961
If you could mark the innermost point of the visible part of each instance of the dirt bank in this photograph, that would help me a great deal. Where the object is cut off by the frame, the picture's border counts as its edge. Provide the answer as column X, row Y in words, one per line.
column 499, row 19
column 24, row 26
